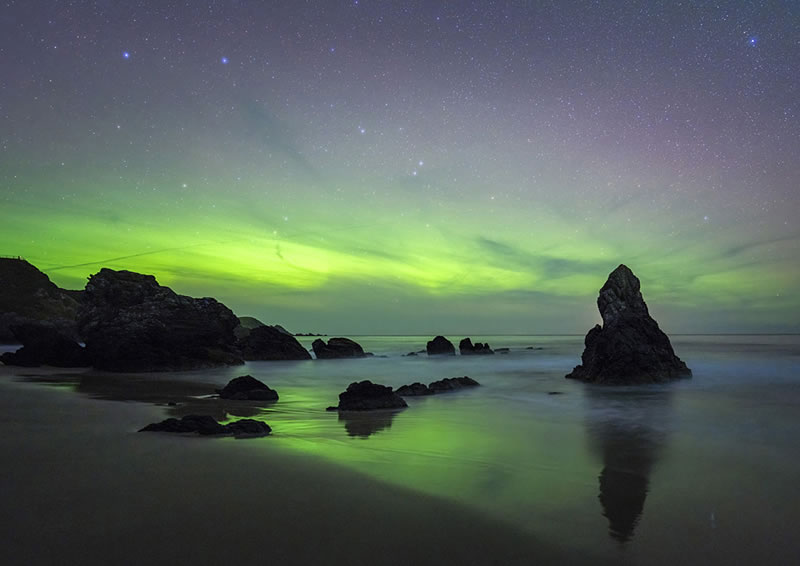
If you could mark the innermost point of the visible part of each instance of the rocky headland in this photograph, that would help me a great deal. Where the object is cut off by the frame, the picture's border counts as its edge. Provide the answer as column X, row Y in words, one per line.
column 131, row 323
column 27, row 296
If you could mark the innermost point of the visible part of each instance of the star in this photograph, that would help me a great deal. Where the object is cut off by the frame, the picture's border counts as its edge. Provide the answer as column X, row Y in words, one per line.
column 752, row 41
column 224, row 60
column 126, row 55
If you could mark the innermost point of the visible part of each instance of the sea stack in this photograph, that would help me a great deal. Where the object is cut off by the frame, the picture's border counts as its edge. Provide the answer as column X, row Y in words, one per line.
column 629, row 348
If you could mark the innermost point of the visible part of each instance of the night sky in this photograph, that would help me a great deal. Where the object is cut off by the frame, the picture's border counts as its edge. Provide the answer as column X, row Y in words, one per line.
column 412, row 167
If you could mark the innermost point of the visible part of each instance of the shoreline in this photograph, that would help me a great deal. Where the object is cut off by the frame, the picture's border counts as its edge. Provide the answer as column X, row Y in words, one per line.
column 85, row 488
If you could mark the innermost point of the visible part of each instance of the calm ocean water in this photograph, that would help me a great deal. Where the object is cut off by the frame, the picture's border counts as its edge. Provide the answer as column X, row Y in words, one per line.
column 703, row 470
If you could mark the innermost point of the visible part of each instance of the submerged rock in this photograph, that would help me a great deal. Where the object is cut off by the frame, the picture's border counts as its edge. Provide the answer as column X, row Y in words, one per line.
column 27, row 296
column 337, row 348
column 247, row 388
column 440, row 346
column 467, row 348
column 452, row 384
column 368, row 396
column 271, row 343
column 44, row 345
column 208, row 426
column 131, row 323
column 629, row 348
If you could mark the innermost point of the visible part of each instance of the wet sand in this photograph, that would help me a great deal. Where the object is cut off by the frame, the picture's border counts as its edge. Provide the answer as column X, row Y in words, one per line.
column 81, row 486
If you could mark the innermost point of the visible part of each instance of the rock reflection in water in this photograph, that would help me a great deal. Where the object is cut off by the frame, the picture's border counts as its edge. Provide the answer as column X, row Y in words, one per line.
column 628, row 430
column 363, row 424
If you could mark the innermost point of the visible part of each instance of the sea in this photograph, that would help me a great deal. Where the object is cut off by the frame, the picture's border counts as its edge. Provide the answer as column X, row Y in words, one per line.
column 703, row 470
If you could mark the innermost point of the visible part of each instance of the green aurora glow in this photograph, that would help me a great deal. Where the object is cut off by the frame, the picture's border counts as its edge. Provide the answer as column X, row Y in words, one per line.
column 397, row 207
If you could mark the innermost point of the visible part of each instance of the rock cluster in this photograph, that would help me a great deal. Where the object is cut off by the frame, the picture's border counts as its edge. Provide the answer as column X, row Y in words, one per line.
column 629, row 348
column 368, row 396
column 207, row 426
column 271, row 343
column 44, row 345
column 467, row 348
column 247, row 388
column 337, row 348
column 440, row 346
column 442, row 386
column 131, row 323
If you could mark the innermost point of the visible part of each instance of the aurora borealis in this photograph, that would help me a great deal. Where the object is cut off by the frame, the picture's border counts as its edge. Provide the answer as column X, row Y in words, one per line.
column 401, row 167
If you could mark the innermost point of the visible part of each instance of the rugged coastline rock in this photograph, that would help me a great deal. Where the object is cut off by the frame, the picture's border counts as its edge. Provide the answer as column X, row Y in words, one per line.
column 452, row 384
column 131, row 323
column 27, row 296
column 247, row 388
column 205, row 425
column 264, row 343
column 368, row 396
column 416, row 389
column 44, row 345
column 467, row 348
column 337, row 348
column 445, row 385
column 629, row 348
column 440, row 346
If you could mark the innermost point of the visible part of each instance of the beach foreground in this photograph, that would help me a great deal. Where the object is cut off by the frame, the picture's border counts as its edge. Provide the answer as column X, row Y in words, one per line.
column 527, row 468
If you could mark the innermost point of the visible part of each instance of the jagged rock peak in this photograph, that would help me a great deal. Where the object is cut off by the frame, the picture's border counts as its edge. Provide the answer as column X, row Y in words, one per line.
column 621, row 296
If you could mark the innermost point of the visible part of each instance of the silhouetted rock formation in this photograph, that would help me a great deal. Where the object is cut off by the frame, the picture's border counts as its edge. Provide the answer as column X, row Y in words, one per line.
column 28, row 296
column 247, row 388
column 440, row 346
column 207, row 426
column 44, row 345
column 337, row 348
column 452, row 384
column 271, row 343
column 416, row 389
column 445, row 385
column 131, row 323
column 468, row 349
column 630, row 347
column 368, row 396
column 246, row 324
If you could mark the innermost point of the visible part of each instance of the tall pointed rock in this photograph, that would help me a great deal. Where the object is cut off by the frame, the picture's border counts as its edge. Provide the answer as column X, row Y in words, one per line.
column 630, row 347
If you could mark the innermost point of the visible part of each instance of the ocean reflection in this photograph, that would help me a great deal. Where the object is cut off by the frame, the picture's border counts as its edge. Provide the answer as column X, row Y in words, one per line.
column 628, row 430
column 363, row 424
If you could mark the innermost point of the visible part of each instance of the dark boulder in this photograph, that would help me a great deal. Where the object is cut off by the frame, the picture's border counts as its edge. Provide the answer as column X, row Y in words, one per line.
column 467, row 348
column 440, row 346
column 201, row 424
column 452, row 384
column 629, row 348
column 337, row 348
column 44, row 345
column 247, row 388
column 208, row 426
column 368, row 396
column 445, row 385
column 27, row 296
column 131, row 323
column 271, row 343
column 416, row 389
column 247, row 428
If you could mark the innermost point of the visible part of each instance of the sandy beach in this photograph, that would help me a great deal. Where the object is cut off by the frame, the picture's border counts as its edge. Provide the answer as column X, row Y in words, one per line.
column 80, row 486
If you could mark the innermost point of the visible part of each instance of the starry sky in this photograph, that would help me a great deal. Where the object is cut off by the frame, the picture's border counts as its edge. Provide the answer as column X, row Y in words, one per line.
column 379, row 166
